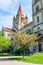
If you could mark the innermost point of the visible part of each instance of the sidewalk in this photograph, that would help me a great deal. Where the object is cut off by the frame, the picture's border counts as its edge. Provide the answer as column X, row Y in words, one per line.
column 7, row 57
column 15, row 63
column 5, row 61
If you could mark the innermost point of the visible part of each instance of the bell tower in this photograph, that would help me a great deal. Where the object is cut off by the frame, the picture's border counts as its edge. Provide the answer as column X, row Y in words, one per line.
column 19, row 21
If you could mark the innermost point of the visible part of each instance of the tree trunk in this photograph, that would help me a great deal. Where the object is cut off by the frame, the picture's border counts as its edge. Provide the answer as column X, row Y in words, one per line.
column 23, row 53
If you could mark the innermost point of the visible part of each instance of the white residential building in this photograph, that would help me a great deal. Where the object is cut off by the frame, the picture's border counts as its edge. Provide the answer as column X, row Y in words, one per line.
column 37, row 16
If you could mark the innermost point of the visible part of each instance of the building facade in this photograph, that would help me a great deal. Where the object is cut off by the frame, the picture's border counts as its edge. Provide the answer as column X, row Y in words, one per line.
column 20, row 22
column 37, row 16
column 28, row 28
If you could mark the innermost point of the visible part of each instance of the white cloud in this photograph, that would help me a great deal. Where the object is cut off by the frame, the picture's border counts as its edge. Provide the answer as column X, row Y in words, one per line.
column 5, row 3
column 8, row 5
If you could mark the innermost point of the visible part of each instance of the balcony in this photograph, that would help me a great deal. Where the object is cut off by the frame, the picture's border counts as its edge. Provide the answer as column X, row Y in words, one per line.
column 37, row 11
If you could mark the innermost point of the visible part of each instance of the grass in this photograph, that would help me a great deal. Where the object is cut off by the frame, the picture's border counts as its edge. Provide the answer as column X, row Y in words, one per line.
column 17, row 53
column 36, row 58
column 4, row 54
column 9, row 54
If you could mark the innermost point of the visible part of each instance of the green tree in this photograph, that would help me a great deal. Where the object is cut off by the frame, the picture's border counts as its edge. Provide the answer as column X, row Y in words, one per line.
column 0, row 33
column 24, row 40
column 4, row 43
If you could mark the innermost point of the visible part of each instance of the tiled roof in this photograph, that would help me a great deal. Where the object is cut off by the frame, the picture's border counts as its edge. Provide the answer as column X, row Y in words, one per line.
column 8, row 29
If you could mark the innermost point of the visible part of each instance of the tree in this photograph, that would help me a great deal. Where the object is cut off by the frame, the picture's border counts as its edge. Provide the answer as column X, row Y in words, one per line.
column 33, row 39
column 4, row 43
column 0, row 33
column 24, row 40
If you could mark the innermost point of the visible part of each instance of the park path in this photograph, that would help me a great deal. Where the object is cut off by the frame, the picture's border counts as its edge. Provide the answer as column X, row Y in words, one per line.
column 15, row 63
column 5, row 61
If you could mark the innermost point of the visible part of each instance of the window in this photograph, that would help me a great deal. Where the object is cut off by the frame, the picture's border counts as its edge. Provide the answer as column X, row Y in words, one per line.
column 37, row 8
column 38, row 28
column 37, row 19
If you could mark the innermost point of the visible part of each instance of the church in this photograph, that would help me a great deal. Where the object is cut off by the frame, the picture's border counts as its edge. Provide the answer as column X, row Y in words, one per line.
column 20, row 22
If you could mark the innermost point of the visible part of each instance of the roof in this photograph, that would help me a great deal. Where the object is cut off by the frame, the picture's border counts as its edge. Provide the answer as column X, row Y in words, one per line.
column 27, row 25
column 20, row 9
column 8, row 29
column 30, row 23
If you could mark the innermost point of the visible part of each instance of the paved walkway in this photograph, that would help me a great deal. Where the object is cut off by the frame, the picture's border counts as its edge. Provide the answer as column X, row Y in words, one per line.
column 4, row 61
column 7, row 57
column 10, row 57
column 15, row 63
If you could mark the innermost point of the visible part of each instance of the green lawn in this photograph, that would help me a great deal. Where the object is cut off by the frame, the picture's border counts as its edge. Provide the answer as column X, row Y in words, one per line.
column 4, row 54
column 36, row 58
column 9, row 54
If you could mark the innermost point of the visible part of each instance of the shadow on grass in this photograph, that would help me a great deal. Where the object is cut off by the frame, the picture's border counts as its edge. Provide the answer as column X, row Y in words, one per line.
column 19, row 59
column 30, row 60
column 6, row 59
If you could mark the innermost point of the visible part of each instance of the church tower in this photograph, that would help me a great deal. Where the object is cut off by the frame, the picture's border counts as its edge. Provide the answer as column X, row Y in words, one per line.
column 19, row 21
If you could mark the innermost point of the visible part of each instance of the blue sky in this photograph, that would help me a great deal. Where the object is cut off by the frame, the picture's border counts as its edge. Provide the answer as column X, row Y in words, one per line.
column 8, row 9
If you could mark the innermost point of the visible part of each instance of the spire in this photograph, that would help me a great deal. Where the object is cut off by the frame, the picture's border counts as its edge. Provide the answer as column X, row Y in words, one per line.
column 20, row 10
column 20, row 13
